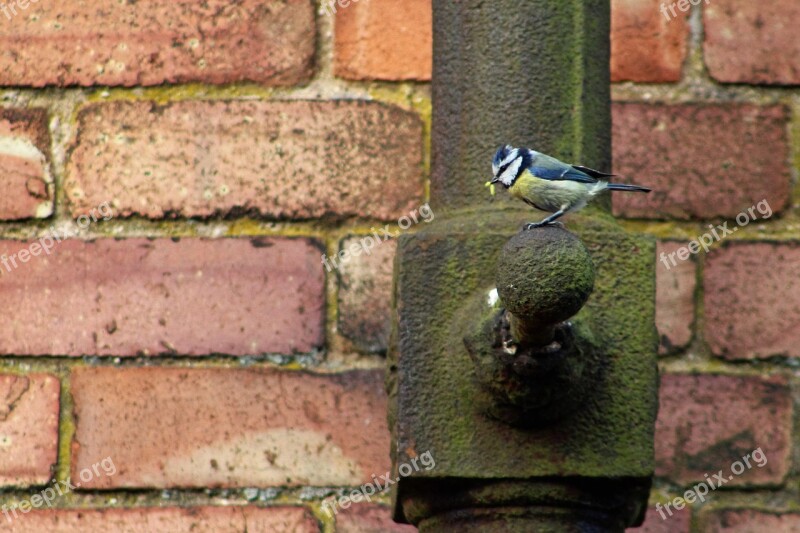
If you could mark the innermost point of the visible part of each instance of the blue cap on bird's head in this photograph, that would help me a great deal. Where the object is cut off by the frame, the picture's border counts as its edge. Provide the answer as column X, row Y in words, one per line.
column 507, row 164
column 501, row 154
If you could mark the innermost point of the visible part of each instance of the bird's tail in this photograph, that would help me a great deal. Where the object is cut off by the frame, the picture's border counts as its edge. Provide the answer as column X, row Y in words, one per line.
column 626, row 187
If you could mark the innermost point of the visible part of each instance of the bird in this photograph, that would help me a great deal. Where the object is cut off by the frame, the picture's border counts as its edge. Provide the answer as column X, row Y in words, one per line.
column 548, row 184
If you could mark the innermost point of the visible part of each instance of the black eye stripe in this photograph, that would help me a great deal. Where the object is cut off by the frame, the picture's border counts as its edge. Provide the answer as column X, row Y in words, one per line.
column 505, row 167
column 524, row 160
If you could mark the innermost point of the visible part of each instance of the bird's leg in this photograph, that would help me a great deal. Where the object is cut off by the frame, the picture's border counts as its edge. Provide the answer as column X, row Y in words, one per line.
column 547, row 221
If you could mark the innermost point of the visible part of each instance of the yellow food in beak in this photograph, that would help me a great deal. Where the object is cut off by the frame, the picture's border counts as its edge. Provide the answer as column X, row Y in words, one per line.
column 491, row 187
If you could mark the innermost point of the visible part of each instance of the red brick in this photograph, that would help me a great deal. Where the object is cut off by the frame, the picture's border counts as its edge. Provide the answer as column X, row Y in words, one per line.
column 752, row 42
column 181, row 427
column 752, row 297
column 708, row 422
column 675, row 287
column 29, row 407
column 169, row 520
column 279, row 159
column 750, row 521
column 703, row 161
column 368, row 518
column 365, row 295
column 149, row 42
column 677, row 522
column 26, row 190
column 383, row 40
column 645, row 46
column 148, row 297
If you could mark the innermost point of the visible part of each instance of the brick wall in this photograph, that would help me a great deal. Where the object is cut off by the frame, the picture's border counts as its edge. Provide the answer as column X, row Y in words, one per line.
column 174, row 171
column 706, row 109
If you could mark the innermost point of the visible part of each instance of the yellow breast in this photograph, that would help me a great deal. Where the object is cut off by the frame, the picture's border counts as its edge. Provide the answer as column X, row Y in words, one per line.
column 548, row 195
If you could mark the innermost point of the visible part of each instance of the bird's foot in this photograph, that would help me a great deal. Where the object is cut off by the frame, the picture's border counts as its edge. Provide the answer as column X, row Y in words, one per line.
column 541, row 224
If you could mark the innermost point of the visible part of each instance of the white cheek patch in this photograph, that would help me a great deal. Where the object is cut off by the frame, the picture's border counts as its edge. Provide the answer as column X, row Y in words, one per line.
column 510, row 173
column 510, row 157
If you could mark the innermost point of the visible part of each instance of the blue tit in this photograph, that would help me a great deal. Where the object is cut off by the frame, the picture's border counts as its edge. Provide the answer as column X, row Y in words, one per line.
column 548, row 184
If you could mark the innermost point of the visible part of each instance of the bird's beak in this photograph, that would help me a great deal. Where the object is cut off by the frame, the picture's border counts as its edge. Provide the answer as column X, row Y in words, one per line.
column 495, row 180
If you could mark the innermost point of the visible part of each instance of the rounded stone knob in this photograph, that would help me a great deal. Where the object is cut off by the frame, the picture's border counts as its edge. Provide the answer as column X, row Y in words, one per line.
column 544, row 276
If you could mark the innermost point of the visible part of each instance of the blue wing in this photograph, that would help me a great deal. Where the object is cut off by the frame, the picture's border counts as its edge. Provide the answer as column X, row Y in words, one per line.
column 549, row 168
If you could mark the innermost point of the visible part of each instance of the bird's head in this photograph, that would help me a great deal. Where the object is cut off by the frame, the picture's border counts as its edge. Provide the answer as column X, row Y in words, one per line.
column 508, row 163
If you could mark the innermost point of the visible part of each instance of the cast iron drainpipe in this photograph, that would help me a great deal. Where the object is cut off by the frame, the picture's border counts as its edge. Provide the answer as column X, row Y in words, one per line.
column 526, row 367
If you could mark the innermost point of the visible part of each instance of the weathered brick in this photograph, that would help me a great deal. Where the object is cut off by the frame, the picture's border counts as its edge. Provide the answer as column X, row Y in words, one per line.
column 703, row 161
column 181, row 427
column 645, row 45
column 26, row 190
column 168, row 520
column 295, row 159
column 708, row 422
column 29, row 407
column 147, row 297
column 365, row 295
column 750, row 521
column 392, row 41
column 383, row 40
column 146, row 42
column 752, row 297
column 677, row 522
column 752, row 42
column 675, row 287
column 369, row 518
